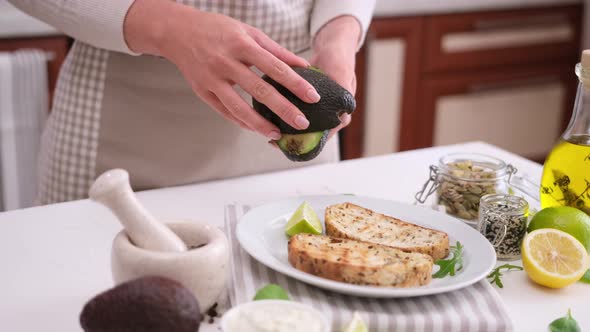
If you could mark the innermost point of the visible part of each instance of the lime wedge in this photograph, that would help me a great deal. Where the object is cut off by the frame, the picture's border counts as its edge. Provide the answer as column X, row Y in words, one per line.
column 271, row 292
column 304, row 220
column 356, row 324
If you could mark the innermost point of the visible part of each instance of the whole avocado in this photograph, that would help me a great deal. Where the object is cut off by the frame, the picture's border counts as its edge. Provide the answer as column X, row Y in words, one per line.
column 322, row 115
column 147, row 304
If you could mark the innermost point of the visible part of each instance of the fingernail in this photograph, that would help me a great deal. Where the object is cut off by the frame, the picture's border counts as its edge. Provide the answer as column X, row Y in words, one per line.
column 274, row 135
column 312, row 95
column 301, row 122
column 345, row 118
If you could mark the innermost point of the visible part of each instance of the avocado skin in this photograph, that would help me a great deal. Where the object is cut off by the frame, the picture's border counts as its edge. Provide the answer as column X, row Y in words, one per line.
column 322, row 115
column 147, row 304
column 311, row 154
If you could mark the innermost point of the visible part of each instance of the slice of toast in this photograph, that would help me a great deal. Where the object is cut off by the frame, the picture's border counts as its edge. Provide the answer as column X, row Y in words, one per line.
column 354, row 222
column 358, row 262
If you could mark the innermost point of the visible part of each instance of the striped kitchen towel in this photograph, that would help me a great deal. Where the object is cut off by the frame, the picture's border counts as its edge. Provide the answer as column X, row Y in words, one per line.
column 474, row 308
column 23, row 111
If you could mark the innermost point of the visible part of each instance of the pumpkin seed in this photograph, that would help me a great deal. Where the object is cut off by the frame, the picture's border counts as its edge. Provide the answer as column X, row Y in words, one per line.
column 459, row 193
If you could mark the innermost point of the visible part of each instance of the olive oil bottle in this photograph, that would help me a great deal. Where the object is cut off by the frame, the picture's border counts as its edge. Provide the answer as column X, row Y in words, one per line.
column 566, row 174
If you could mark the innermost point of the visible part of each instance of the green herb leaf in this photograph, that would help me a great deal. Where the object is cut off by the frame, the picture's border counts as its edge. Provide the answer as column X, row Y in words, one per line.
column 271, row 292
column 452, row 265
column 496, row 274
column 586, row 277
column 565, row 324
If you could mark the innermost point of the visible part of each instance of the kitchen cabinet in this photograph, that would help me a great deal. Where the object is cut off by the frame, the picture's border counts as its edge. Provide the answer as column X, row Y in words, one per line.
column 521, row 110
column 502, row 76
column 387, row 81
column 55, row 46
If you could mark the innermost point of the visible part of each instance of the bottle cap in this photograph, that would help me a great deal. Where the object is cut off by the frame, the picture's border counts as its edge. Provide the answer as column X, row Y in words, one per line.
column 585, row 59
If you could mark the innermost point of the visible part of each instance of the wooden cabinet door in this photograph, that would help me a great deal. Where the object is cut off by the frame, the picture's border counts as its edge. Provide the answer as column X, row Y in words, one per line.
column 418, row 75
column 387, row 79
column 504, row 37
column 521, row 110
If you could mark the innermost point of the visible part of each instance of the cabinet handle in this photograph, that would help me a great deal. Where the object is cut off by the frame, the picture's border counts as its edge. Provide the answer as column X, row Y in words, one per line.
column 476, row 88
column 506, row 37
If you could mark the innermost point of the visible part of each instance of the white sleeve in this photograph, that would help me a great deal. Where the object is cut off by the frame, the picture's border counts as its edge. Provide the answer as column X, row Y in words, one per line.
column 95, row 22
column 326, row 10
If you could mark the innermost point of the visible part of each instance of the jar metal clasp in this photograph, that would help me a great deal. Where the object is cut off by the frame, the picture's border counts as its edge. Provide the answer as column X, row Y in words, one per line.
column 523, row 184
column 429, row 186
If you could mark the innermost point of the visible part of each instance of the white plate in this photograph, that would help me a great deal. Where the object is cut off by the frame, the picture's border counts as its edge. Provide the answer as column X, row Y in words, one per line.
column 261, row 232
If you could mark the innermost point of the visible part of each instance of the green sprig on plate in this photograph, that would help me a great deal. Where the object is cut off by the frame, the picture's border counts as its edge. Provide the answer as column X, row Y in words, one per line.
column 451, row 265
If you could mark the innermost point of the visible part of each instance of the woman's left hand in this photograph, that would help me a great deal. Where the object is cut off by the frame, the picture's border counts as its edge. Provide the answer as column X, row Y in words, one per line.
column 334, row 51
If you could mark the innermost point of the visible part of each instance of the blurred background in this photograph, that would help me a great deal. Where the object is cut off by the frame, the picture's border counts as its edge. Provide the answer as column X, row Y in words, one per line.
column 432, row 72
column 442, row 72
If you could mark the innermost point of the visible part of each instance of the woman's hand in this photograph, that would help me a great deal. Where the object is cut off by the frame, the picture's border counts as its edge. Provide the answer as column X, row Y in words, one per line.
column 215, row 52
column 334, row 51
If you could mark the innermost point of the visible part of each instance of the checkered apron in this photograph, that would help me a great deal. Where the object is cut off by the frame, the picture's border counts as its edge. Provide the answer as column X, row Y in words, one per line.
column 70, row 140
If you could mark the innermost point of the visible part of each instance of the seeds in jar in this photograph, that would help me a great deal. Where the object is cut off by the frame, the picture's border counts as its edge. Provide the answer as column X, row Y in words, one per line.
column 462, row 187
column 504, row 227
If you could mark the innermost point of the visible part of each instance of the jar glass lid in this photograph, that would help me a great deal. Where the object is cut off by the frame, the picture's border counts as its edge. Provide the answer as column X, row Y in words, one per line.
column 491, row 164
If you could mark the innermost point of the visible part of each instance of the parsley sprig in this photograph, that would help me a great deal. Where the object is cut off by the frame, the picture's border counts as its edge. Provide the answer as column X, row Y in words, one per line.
column 496, row 274
column 451, row 265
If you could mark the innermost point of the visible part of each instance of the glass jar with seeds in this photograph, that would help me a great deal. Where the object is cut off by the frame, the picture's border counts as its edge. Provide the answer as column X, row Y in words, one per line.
column 503, row 221
column 460, row 180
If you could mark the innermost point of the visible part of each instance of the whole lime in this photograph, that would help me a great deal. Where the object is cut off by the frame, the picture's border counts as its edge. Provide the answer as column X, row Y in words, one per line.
column 564, row 218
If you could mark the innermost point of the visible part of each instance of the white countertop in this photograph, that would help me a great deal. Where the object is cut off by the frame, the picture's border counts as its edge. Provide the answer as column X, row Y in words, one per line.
column 386, row 8
column 55, row 258
column 14, row 23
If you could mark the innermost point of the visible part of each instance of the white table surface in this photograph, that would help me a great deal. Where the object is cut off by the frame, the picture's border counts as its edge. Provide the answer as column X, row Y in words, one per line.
column 55, row 258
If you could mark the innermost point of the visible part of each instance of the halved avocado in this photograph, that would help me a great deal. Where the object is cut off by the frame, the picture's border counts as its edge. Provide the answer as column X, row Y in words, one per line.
column 303, row 147
column 322, row 115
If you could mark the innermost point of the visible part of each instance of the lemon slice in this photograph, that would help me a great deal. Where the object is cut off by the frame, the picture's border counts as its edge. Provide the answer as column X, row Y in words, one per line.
column 356, row 324
column 553, row 258
column 304, row 220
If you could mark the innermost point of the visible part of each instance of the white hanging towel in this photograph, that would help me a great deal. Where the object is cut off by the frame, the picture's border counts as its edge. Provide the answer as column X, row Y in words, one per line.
column 23, row 111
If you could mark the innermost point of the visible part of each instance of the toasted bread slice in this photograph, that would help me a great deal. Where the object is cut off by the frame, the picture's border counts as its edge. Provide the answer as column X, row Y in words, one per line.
column 354, row 222
column 358, row 262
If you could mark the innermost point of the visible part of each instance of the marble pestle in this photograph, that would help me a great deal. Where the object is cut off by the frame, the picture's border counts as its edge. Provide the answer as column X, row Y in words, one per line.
column 113, row 190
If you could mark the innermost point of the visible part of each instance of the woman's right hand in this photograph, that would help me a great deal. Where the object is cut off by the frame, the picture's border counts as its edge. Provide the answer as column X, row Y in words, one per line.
column 215, row 52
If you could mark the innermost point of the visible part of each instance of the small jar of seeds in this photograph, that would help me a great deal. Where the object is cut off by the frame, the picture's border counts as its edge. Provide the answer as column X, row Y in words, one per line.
column 460, row 180
column 503, row 221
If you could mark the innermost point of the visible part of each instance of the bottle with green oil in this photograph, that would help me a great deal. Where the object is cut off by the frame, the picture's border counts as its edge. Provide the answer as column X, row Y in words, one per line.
column 566, row 174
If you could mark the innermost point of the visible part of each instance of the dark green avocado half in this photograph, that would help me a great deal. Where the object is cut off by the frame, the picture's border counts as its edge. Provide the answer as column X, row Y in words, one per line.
column 303, row 147
column 322, row 116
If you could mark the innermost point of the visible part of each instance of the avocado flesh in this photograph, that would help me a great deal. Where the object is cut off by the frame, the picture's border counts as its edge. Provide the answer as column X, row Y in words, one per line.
column 322, row 115
column 303, row 147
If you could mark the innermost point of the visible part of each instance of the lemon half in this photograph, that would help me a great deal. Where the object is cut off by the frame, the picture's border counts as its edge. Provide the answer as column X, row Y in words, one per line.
column 554, row 258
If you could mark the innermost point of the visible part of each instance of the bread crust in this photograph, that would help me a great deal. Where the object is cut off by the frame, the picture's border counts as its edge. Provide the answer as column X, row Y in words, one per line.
column 358, row 262
column 350, row 221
